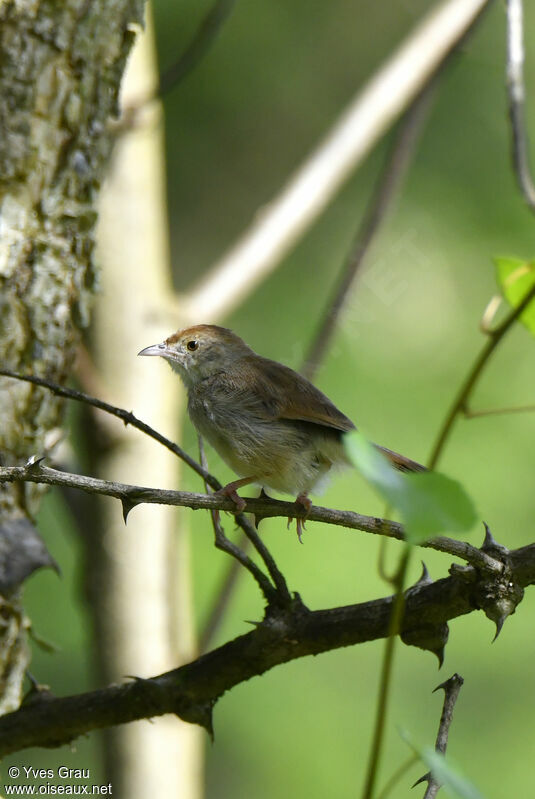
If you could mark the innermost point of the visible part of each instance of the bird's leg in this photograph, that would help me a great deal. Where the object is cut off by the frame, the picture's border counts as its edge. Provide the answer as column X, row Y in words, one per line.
column 303, row 500
column 230, row 491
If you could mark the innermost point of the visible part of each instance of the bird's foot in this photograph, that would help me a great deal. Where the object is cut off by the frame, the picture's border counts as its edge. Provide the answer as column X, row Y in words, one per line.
column 230, row 491
column 306, row 503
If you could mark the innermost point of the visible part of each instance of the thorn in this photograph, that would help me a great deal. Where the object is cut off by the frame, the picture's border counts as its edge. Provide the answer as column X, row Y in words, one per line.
column 455, row 679
column 258, row 517
column 425, row 778
column 431, row 638
column 37, row 693
column 490, row 542
column 498, row 610
column 127, row 504
column 54, row 565
column 440, row 655
column 499, row 624
column 34, row 461
column 210, row 726
column 33, row 680
column 425, row 577
column 202, row 715
column 499, row 613
column 127, row 418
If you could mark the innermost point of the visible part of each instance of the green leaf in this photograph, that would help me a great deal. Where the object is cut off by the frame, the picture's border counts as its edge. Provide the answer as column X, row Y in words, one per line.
column 447, row 775
column 429, row 503
column 515, row 278
column 434, row 503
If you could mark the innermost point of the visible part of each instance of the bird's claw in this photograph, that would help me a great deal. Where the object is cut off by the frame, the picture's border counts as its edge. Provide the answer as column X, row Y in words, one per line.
column 305, row 503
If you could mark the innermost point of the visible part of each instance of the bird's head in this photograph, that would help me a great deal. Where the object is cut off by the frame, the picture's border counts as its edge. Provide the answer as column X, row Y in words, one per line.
column 200, row 351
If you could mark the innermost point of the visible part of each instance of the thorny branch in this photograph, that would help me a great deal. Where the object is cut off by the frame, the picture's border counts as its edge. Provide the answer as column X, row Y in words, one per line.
column 126, row 416
column 451, row 688
column 284, row 634
column 261, row 507
column 128, row 502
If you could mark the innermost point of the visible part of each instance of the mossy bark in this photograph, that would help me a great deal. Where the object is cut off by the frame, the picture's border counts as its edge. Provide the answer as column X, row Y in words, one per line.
column 60, row 71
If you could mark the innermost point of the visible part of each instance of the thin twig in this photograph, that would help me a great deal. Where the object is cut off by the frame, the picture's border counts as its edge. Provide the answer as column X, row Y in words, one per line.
column 198, row 47
column 201, row 43
column 461, row 400
column 470, row 414
column 516, row 98
column 132, row 495
column 225, row 545
column 374, row 109
column 451, row 688
column 388, row 184
column 233, row 571
column 223, row 595
column 126, row 416
column 129, row 500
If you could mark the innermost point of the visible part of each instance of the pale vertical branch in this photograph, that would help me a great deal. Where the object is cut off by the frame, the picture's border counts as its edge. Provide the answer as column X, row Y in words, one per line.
column 278, row 226
column 517, row 100
column 144, row 606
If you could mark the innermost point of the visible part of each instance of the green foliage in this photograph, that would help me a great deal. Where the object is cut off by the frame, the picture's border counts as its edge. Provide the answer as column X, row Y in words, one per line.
column 429, row 503
column 516, row 277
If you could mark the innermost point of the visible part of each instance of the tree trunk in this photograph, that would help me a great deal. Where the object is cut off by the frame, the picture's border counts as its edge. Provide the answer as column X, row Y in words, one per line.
column 61, row 66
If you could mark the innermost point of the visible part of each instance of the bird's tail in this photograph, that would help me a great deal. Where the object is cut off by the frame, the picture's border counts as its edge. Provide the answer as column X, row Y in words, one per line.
column 401, row 462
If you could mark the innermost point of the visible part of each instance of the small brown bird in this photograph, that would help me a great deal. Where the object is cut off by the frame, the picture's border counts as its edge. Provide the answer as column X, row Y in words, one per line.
column 268, row 423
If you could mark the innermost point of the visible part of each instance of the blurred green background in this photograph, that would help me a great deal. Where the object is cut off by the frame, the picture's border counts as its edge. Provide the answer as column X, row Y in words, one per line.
column 276, row 79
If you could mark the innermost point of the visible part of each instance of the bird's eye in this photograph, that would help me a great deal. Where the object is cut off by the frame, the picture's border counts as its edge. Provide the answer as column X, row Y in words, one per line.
column 192, row 345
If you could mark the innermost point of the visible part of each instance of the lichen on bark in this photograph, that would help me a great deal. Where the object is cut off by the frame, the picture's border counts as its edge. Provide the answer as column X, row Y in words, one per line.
column 60, row 71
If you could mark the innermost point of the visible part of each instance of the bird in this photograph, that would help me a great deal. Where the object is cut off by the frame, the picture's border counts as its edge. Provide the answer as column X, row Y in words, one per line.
column 268, row 423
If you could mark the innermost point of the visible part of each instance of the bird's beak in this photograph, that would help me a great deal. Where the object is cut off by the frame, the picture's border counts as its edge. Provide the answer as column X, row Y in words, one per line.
column 154, row 349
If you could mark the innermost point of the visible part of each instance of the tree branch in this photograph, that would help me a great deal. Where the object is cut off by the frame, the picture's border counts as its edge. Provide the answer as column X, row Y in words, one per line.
column 351, row 138
column 452, row 688
column 126, row 416
column 128, row 498
column 285, row 634
column 516, row 97
column 265, row 507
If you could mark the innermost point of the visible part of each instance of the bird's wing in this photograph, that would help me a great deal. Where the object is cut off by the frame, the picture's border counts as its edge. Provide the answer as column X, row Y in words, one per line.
column 282, row 393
